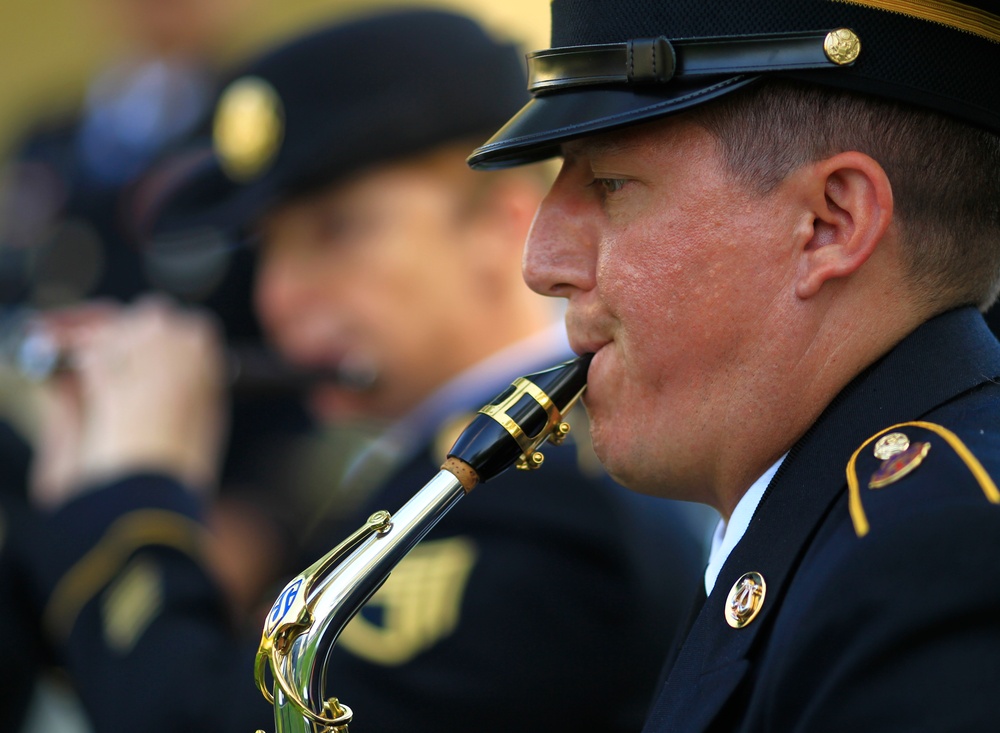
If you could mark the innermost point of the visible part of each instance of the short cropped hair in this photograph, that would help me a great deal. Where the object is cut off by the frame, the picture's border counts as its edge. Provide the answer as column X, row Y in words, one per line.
column 945, row 175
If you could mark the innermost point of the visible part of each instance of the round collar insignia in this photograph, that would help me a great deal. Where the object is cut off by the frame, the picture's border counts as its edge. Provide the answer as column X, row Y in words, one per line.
column 745, row 600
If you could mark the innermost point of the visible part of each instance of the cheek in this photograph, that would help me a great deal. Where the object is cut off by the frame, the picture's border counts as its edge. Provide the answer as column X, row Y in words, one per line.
column 647, row 290
column 397, row 295
column 682, row 284
column 397, row 311
column 284, row 300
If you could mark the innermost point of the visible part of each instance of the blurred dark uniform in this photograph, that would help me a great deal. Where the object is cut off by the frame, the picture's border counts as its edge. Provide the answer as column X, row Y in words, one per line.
column 18, row 615
column 542, row 602
column 69, row 201
column 20, row 647
column 862, row 595
column 517, row 609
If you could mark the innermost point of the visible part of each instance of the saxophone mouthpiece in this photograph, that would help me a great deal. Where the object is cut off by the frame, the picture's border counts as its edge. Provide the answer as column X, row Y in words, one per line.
column 510, row 429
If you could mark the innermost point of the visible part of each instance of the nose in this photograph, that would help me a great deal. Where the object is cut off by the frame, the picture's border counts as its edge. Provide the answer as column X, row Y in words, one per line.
column 560, row 254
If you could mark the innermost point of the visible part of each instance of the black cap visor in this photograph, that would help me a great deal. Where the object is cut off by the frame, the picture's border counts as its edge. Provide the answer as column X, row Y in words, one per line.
column 543, row 124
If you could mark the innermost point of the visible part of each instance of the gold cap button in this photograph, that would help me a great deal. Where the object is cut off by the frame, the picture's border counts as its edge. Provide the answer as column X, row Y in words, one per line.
column 842, row 46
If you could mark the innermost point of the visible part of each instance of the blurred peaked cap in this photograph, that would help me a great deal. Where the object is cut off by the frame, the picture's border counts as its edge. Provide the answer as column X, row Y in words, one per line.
column 614, row 64
column 354, row 94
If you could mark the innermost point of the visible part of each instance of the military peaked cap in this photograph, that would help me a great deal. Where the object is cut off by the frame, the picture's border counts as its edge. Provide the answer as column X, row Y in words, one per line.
column 360, row 92
column 613, row 64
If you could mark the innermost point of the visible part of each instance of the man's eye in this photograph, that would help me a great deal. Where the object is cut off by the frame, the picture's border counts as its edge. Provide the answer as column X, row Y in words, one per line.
column 609, row 185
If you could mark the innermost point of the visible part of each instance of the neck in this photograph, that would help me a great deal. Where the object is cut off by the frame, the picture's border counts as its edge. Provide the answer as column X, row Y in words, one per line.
column 809, row 368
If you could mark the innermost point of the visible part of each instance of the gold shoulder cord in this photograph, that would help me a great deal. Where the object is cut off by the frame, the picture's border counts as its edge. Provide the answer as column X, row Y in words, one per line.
column 986, row 483
column 144, row 527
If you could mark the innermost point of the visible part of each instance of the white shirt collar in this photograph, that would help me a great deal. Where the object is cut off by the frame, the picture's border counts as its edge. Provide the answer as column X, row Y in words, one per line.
column 728, row 534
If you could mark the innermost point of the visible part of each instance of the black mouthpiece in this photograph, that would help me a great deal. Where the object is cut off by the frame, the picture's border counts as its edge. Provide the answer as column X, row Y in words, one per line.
column 521, row 418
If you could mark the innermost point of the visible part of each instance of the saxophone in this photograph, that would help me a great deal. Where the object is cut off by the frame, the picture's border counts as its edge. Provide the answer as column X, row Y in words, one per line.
column 309, row 614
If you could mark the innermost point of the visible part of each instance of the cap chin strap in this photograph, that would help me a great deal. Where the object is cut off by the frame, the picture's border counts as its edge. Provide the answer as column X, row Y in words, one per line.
column 652, row 61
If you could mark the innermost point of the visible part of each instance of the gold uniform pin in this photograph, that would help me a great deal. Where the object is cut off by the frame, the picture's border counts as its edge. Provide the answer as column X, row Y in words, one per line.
column 745, row 600
column 248, row 129
column 899, row 458
column 891, row 444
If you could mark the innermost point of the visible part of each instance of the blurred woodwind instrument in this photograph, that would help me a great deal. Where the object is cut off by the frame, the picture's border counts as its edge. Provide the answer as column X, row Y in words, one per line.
column 309, row 614
column 27, row 350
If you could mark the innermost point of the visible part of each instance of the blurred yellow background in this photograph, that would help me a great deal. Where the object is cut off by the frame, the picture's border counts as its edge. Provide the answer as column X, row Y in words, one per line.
column 49, row 48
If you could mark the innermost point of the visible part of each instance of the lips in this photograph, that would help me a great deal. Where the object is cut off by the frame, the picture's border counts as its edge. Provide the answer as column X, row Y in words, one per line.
column 583, row 346
column 583, row 342
column 314, row 357
column 598, row 365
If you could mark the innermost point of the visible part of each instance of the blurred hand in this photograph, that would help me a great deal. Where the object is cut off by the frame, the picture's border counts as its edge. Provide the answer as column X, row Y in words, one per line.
column 145, row 394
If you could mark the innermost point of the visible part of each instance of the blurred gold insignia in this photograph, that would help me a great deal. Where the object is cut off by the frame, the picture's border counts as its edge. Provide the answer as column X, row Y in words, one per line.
column 248, row 129
column 418, row 606
column 131, row 604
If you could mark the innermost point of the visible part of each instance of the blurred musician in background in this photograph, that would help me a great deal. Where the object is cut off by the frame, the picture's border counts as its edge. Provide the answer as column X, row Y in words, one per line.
column 544, row 601
column 66, row 237
column 69, row 192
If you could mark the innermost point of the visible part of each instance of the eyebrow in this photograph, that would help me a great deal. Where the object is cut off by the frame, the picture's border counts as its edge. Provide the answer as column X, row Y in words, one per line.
column 605, row 144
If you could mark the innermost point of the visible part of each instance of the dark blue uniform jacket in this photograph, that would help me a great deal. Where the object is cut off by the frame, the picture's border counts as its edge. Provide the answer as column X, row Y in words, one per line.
column 879, row 612
column 22, row 655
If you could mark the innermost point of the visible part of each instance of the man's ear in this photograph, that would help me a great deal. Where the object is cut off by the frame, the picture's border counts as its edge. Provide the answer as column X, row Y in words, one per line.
column 850, row 200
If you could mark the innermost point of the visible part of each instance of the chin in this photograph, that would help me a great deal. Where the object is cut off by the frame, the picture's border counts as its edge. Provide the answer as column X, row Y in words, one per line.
column 625, row 460
column 609, row 452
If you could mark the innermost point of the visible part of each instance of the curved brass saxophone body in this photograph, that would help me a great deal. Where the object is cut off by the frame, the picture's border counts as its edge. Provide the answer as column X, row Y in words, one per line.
column 314, row 607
